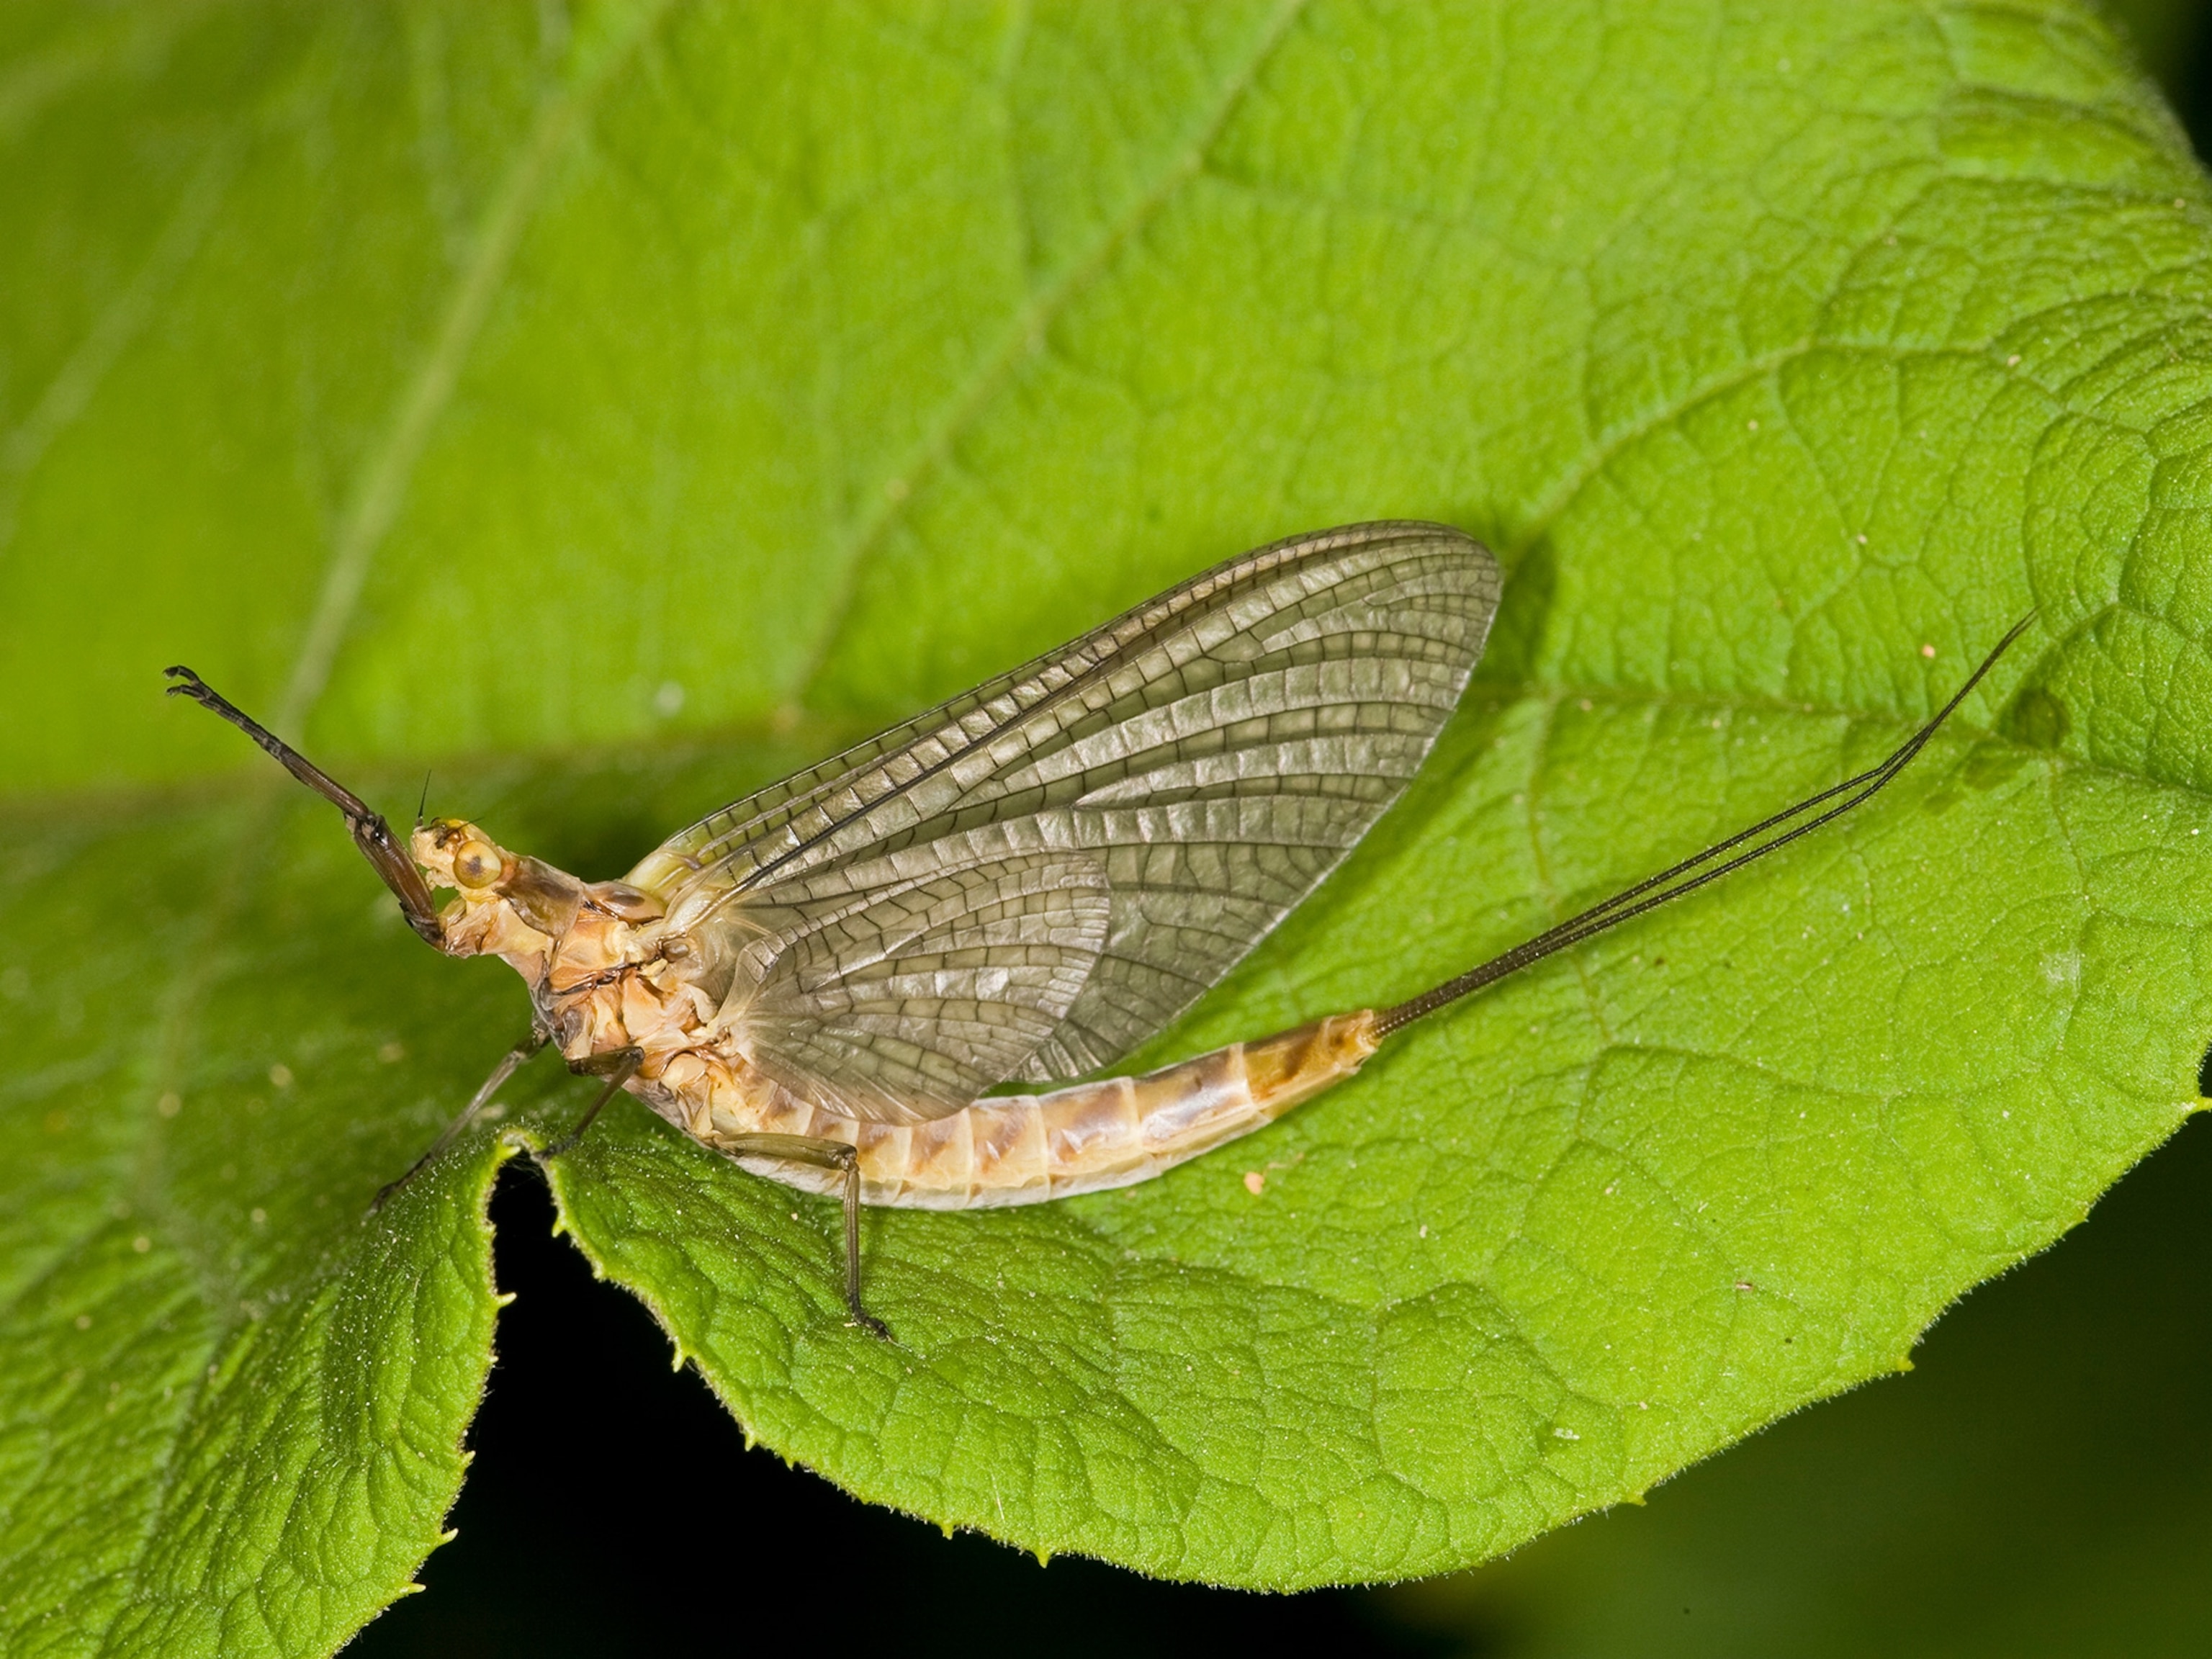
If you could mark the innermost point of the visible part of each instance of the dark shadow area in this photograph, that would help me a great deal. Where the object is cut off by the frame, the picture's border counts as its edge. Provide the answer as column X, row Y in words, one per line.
column 613, row 1509
column 2173, row 41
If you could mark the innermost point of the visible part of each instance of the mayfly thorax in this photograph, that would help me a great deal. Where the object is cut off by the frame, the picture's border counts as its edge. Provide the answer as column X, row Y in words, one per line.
column 822, row 981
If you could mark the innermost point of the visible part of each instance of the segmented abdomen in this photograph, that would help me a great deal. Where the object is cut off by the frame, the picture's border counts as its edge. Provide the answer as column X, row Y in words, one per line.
column 1026, row 1149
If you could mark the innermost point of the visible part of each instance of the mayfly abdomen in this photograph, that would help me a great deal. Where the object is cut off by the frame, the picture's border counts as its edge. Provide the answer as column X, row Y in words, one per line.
column 1028, row 1149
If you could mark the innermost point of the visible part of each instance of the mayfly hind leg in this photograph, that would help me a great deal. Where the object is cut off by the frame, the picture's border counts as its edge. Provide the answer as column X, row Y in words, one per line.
column 618, row 1067
column 499, row 1073
column 836, row 1155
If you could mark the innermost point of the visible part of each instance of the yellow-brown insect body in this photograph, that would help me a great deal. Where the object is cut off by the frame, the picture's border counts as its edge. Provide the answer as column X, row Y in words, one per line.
column 1030, row 1149
column 826, row 979
column 606, row 975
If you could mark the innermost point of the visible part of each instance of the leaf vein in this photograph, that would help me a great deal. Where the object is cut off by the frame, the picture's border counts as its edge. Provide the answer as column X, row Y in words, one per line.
column 1022, row 337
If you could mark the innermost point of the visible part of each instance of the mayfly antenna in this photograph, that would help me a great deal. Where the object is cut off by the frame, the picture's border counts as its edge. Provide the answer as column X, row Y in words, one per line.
column 370, row 831
column 1693, row 872
column 423, row 805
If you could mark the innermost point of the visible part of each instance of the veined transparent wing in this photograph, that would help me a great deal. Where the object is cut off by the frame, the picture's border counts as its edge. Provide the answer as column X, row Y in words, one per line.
column 1200, row 763
column 897, row 997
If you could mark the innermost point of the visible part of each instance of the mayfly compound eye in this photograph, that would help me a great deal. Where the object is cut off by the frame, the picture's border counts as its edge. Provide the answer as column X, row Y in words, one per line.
column 478, row 864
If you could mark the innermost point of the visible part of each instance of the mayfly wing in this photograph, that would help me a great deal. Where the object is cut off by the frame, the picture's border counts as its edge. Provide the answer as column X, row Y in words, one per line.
column 896, row 997
column 1034, row 878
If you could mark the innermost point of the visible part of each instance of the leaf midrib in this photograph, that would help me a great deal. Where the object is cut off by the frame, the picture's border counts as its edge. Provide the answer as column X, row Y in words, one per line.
column 380, row 487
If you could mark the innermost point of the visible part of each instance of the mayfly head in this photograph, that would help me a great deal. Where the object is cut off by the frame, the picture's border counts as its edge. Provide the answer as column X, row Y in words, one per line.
column 504, row 904
column 456, row 854
column 457, row 858
column 501, row 905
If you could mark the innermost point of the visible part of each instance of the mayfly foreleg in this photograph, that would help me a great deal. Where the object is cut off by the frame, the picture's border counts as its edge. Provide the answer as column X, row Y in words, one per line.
column 370, row 832
column 836, row 1155
column 499, row 1073
column 618, row 1067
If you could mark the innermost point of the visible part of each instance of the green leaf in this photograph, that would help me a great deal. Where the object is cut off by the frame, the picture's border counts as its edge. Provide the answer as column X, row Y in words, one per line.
column 2037, row 1488
column 656, row 398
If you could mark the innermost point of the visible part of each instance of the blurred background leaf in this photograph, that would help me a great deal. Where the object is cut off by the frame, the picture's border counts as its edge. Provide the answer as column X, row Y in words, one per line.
column 615, row 409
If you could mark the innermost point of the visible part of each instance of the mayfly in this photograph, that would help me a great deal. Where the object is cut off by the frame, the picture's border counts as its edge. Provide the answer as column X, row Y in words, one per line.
column 824, row 981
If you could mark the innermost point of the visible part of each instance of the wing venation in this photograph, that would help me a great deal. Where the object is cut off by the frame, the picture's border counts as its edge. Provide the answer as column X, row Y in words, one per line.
column 897, row 1000
column 1034, row 878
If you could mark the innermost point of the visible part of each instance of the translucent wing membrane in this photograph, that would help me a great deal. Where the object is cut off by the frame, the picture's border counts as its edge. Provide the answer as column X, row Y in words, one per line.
column 895, row 1000
column 1177, row 780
